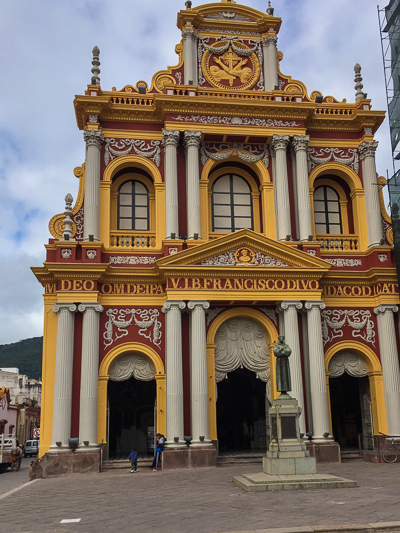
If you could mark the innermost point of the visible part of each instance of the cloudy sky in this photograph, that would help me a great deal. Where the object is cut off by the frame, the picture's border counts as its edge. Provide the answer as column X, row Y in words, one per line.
column 45, row 58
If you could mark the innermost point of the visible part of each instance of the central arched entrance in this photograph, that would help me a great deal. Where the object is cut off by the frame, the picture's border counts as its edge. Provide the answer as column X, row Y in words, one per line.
column 243, row 385
column 131, row 399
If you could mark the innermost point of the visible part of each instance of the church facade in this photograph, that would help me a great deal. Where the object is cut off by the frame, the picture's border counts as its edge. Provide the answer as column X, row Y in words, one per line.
column 219, row 207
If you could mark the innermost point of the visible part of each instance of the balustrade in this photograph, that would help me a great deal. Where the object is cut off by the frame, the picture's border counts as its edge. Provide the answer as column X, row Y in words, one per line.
column 338, row 243
column 132, row 240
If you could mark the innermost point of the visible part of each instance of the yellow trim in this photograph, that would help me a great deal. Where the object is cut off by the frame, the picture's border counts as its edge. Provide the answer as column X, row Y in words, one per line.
column 104, row 377
column 375, row 376
column 272, row 337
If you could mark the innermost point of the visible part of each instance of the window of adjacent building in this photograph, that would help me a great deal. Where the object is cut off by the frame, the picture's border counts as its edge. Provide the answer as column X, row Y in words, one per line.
column 231, row 202
column 133, row 206
column 327, row 211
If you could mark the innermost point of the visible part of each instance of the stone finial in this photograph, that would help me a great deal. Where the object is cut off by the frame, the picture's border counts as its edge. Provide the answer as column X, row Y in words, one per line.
column 188, row 4
column 67, row 231
column 96, row 64
column 270, row 9
column 358, row 80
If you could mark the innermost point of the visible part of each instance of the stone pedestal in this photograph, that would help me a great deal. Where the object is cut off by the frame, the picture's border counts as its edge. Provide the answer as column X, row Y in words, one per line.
column 62, row 463
column 189, row 457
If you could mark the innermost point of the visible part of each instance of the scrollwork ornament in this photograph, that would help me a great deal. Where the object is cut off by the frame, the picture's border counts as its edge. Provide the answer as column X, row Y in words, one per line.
column 173, row 304
column 96, row 307
column 72, row 308
column 320, row 156
column 367, row 149
column 145, row 319
column 270, row 39
column 93, row 138
column 192, row 138
column 300, row 142
column 334, row 320
column 279, row 142
column 203, row 304
column 380, row 309
column 246, row 152
column 170, row 138
column 291, row 304
column 120, row 147
column 314, row 303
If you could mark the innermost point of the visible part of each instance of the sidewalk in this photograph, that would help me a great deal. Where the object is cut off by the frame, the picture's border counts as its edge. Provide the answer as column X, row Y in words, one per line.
column 198, row 501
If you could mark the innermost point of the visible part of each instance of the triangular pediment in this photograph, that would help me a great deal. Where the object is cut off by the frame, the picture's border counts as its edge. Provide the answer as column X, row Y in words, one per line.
column 244, row 249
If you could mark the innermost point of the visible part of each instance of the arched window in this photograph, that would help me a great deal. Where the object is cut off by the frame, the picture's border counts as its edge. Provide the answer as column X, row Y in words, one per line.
column 231, row 201
column 133, row 206
column 327, row 211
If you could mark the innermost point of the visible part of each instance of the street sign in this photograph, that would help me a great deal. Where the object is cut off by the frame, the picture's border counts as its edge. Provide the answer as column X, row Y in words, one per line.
column 36, row 433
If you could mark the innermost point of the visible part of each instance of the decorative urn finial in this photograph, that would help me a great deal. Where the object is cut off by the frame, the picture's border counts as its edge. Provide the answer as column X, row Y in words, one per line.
column 67, row 231
column 96, row 64
column 188, row 4
column 358, row 79
column 270, row 9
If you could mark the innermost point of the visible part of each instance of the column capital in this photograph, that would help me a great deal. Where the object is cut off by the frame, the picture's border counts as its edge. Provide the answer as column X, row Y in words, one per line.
column 300, row 142
column 198, row 303
column 279, row 142
column 382, row 308
column 94, row 306
column 170, row 137
column 93, row 138
column 192, row 138
column 314, row 303
column 173, row 304
column 64, row 307
column 270, row 39
column 367, row 149
column 189, row 33
column 290, row 304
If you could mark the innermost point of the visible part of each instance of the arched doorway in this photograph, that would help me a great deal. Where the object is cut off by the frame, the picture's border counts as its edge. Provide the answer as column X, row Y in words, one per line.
column 243, row 385
column 350, row 396
column 131, row 400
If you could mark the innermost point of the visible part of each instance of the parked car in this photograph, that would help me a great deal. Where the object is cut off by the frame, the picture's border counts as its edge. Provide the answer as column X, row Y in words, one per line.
column 31, row 448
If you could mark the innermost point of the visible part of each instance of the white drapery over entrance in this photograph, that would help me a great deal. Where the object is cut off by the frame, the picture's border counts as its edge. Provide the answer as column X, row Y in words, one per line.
column 132, row 365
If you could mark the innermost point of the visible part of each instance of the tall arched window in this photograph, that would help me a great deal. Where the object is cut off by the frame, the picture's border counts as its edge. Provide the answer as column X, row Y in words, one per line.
column 231, row 202
column 327, row 211
column 133, row 206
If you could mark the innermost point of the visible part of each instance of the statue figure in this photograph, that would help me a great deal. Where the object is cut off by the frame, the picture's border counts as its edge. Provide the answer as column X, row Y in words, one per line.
column 282, row 353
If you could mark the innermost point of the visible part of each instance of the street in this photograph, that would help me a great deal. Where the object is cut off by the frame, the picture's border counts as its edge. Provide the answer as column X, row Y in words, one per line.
column 12, row 480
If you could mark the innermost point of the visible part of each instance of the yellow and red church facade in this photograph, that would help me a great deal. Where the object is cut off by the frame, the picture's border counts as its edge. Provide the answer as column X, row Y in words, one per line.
column 219, row 207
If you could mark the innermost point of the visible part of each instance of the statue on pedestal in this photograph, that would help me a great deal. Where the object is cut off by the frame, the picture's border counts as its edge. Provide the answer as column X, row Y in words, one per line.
column 282, row 353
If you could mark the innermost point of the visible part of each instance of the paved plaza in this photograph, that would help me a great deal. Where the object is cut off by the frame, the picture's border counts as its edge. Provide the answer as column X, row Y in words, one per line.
column 193, row 501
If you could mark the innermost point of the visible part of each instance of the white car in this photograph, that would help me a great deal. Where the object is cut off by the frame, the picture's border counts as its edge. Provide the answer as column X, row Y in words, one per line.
column 31, row 448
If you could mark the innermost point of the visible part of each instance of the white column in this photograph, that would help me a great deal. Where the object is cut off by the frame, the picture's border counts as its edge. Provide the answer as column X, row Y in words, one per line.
column 62, row 404
column 192, row 143
column 198, row 373
column 270, row 61
column 190, row 55
column 292, row 339
column 390, row 365
column 173, row 369
column 374, row 217
column 319, row 393
column 89, row 373
column 279, row 145
column 170, row 142
column 93, row 141
column 300, row 143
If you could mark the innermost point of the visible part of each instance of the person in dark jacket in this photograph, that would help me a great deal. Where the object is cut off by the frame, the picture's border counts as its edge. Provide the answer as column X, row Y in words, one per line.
column 159, row 449
column 133, row 460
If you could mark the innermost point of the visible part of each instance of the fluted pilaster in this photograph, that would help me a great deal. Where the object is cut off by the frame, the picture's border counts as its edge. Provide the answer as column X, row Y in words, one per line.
column 372, row 205
column 62, row 404
column 279, row 145
column 89, row 373
column 170, row 142
column 300, row 143
column 173, row 367
column 189, row 37
column 292, row 339
column 198, row 373
column 319, row 393
column 390, row 365
column 94, row 140
column 270, row 61
column 192, row 143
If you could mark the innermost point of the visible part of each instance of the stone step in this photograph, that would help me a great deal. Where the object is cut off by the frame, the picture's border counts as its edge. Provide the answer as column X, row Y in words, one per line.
column 263, row 482
column 115, row 464
column 229, row 460
column 351, row 456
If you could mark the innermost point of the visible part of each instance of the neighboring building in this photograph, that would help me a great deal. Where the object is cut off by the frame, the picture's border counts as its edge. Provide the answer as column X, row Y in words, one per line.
column 8, row 413
column 218, row 207
column 20, row 386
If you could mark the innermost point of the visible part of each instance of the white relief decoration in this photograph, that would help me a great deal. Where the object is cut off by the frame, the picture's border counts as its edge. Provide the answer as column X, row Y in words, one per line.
column 312, row 252
column 132, row 260
column 368, row 131
column 349, row 362
column 145, row 319
column 78, row 219
column 344, row 262
column 212, row 313
column 66, row 253
column 281, row 84
column 382, row 258
column 229, row 31
column 236, row 121
column 93, row 118
column 247, row 152
column 242, row 342
column 271, row 314
column 333, row 321
column 117, row 147
column 131, row 365
column 178, row 76
column 319, row 156
column 228, row 259
column 173, row 251
column 91, row 254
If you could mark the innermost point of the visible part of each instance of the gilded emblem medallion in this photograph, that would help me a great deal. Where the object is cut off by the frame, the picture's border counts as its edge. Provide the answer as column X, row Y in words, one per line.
column 230, row 65
column 244, row 256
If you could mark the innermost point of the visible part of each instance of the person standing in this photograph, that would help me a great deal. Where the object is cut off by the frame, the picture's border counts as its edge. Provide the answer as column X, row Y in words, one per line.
column 16, row 456
column 159, row 449
column 133, row 460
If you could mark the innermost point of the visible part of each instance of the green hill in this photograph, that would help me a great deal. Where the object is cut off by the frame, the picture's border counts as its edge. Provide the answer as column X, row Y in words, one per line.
column 25, row 355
